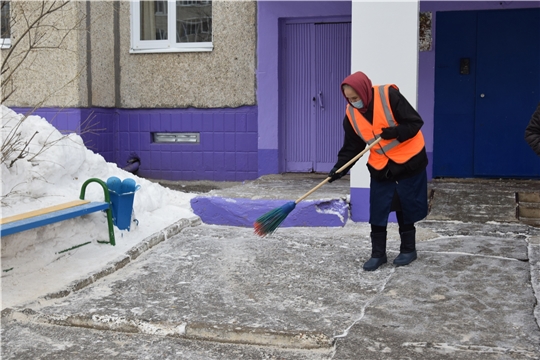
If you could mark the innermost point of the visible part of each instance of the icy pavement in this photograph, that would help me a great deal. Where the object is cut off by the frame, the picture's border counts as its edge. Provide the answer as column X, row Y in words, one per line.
column 220, row 292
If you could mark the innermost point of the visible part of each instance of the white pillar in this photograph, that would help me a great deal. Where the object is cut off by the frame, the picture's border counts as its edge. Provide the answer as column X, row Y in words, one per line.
column 385, row 48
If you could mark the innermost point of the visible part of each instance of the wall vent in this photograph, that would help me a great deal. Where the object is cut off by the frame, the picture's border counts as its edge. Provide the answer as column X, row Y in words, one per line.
column 181, row 138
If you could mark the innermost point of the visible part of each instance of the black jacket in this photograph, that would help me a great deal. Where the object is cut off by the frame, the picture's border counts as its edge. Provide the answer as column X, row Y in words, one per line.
column 409, row 123
column 532, row 132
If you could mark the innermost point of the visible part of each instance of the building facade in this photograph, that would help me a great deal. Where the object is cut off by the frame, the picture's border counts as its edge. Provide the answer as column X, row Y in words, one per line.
column 233, row 90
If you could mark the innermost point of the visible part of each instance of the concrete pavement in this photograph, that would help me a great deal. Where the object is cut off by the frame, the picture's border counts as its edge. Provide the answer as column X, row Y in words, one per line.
column 221, row 292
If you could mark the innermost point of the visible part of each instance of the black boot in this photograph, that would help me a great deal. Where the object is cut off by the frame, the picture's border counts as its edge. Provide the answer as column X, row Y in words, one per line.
column 407, row 250
column 378, row 251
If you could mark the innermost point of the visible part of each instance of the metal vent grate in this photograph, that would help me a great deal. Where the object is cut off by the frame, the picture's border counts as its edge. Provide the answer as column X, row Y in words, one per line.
column 190, row 138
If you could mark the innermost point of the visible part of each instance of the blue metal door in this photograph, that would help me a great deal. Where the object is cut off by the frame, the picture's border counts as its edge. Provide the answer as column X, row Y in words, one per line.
column 507, row 90
column 316, row 58
column 487, row 85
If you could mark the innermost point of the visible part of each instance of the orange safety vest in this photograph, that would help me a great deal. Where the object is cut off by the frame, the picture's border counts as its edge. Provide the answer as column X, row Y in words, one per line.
column 399, row 152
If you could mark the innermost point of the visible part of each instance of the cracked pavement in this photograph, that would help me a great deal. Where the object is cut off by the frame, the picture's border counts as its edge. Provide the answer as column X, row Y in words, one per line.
column 221, row 292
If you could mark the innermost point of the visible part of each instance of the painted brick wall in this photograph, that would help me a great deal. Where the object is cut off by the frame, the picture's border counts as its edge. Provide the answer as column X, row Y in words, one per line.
column 227, row 150
column 96, row 126
column 99, row 133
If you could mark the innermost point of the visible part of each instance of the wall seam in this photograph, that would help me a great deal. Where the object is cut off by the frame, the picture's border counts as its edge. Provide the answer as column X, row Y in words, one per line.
column 88, row 56
column 116, row 31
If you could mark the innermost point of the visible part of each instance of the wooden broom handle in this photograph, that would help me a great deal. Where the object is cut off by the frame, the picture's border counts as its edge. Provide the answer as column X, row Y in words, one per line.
column 349, row 163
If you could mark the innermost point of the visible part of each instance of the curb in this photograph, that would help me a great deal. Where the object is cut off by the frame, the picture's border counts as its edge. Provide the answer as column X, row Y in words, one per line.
column 132, row 254
column 223, row 333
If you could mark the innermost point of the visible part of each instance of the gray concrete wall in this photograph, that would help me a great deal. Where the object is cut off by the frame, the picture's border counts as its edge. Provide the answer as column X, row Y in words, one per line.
column 102, row 53
column 52, row 75
column 224, row 77
column 59, row 77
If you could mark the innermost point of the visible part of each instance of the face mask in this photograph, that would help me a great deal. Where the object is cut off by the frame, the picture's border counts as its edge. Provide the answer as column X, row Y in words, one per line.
column 359, row 104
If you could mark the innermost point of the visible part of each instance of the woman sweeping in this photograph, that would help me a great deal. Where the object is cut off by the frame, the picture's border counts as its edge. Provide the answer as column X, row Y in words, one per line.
column 397, row 164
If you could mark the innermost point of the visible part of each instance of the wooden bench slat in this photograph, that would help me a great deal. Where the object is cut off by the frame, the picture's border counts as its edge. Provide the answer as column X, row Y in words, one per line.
column 52, row 217
column 43, row 211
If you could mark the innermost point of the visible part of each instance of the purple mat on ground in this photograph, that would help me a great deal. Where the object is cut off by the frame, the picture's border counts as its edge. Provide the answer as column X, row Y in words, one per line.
column 243, row 212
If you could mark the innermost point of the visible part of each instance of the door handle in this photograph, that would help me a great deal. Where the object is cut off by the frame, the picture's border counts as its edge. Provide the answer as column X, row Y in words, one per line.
column 320, row 100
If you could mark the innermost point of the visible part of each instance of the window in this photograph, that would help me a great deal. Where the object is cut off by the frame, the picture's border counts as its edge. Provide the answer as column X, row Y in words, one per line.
column 171, row 26
column 5, row 37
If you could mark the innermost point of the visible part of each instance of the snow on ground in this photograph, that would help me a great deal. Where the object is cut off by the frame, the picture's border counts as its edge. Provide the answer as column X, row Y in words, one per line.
column 52, row 171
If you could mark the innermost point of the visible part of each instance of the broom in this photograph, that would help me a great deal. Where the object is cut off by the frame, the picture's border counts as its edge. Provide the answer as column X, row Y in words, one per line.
column 269, row 222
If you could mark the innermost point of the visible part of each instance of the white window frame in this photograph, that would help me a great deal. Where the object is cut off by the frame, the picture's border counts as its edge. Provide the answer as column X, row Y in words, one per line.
column 161, row 46
column 5, row 43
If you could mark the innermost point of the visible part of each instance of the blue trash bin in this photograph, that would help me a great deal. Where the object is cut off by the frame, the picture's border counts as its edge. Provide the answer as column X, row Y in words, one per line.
column 122, row 194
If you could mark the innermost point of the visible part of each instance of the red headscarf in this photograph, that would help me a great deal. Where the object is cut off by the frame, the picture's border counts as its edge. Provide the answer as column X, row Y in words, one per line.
column 362, row 85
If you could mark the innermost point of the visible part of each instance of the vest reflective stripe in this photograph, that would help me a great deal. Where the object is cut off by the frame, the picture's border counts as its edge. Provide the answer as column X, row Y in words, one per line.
column 383, row 95
column 382, row 114
column 383, row 117
column 352, row 120
column 381, row 101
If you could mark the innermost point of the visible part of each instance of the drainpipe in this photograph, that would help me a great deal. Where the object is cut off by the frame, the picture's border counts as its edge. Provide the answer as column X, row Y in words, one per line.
column 133, row 163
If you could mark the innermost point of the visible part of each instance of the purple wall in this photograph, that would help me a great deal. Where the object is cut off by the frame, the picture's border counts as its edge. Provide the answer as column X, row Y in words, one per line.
column 100, row 135
column 64, row 120
column 227, row 150
column 268, row 15
column 94, row 125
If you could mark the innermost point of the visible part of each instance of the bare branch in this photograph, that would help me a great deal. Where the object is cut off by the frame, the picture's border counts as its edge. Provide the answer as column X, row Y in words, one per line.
column 37, row 26
column 41, row 26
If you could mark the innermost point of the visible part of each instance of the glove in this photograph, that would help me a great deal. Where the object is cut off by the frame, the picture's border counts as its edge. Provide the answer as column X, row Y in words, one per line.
column 335, row 176
column 389, row 133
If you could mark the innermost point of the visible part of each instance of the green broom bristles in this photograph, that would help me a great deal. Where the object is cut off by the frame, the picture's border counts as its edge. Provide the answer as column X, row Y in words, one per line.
column 269, row 222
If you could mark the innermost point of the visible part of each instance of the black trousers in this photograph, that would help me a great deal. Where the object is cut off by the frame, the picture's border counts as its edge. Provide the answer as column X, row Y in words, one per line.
column 402, row 226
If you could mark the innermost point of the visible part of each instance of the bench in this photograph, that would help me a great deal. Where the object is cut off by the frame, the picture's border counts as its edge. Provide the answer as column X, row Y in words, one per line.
column 52, row 214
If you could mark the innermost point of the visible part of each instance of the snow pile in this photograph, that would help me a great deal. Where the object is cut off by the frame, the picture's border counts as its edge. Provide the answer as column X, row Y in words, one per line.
column 50, row 170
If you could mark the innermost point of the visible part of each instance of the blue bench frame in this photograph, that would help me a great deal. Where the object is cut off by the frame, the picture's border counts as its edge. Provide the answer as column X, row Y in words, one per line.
column 64, row 214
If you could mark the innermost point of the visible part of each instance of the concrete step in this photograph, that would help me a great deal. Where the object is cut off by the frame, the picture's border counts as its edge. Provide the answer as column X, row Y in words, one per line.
column 528, row 207
column 529, row 197
column 465, row 200
column 242, row 204
column 485, row 200
column 529, row 210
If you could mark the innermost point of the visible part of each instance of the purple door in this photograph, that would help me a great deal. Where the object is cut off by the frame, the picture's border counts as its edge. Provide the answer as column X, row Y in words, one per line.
column 316, row 58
